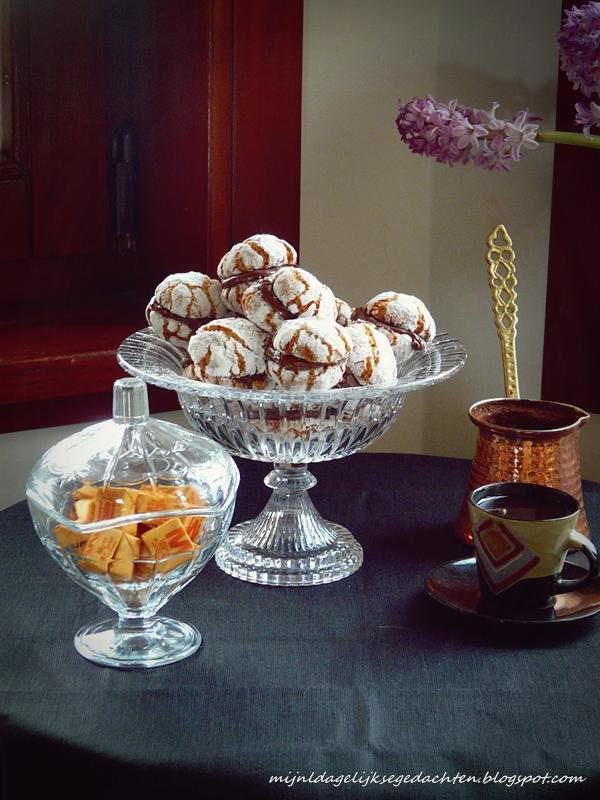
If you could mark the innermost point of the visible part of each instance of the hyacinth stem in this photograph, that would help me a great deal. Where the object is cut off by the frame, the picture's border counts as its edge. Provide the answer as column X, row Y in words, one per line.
column 565, row 137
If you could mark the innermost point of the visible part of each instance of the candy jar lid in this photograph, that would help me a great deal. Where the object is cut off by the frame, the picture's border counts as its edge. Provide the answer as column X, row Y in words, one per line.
column 140, row 457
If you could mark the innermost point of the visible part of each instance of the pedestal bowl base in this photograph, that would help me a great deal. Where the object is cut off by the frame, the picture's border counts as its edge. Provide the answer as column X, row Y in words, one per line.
column 343, row 557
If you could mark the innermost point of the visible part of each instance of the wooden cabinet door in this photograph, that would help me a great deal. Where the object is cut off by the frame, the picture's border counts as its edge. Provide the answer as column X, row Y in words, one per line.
column 210, row 94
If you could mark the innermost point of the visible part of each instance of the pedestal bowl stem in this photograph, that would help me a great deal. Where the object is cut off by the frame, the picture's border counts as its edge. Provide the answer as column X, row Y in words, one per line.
column 289, row 543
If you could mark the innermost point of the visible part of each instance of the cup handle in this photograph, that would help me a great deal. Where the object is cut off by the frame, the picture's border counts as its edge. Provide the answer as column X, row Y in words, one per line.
column 579, row 542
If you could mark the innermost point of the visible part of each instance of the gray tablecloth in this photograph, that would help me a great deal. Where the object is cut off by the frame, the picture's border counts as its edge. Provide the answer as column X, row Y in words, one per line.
column 341, row 684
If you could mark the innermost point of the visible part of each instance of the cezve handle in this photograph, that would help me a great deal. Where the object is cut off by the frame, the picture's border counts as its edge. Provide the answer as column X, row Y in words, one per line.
column 502, row 280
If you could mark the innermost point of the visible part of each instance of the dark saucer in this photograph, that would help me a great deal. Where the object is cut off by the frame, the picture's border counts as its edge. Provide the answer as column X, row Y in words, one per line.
column 456, row 585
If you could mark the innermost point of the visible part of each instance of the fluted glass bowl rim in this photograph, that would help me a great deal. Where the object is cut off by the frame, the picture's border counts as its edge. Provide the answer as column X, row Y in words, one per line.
column 172, row 377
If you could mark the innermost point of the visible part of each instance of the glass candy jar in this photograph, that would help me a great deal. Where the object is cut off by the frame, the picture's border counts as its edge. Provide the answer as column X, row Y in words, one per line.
column 132, row 509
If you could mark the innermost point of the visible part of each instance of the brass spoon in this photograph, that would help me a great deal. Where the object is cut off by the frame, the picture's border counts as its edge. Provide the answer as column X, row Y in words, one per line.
column 502, row 280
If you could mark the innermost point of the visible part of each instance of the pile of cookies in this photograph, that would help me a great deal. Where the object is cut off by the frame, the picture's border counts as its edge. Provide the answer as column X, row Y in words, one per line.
column 133, row 551
column 268, row 323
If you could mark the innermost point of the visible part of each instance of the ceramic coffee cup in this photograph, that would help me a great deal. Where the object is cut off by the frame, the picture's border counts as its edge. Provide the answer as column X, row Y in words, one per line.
column 522, row 533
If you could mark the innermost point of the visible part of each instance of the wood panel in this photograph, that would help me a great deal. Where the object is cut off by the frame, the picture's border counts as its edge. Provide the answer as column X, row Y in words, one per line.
column 14, row 132
column 220, row 133
column 267, row 114
column 570, row 372
column 14, row 219
column 158, row 83
column 35, row 364
column 68, row 127
column 14, row 96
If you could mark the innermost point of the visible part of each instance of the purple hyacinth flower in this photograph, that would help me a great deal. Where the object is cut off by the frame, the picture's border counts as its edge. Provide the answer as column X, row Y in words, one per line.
column 579, row 47
column 588, row 116
column 456, row 134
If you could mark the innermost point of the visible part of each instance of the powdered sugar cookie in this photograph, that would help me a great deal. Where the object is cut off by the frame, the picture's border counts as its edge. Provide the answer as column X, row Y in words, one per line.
column 230, row 352
column 248, row 261
column 344, row 312
column 371, row 359
column 404, row 319
column 288, row 293
column 308, row 354
column 182, row 303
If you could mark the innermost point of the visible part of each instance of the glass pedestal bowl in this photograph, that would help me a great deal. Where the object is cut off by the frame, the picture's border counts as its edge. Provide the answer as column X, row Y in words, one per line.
column 289, row 543
column 133, row 509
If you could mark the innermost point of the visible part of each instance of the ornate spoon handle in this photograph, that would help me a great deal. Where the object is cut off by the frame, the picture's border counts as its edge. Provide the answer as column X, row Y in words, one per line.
column 502, row 280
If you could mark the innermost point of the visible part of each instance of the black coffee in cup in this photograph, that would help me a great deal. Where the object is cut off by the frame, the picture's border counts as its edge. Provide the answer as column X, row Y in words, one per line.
column 525, row 507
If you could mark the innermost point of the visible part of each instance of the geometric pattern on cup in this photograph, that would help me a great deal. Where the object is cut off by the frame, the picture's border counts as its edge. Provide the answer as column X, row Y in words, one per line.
column 503, row 559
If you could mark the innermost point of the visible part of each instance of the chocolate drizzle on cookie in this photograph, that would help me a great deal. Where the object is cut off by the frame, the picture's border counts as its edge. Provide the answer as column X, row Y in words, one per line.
column 295, row 364
column 361, row 315
column 257, row 381
column 192, row 322
column 269, row 296
column 246, row 277
column 348, row 381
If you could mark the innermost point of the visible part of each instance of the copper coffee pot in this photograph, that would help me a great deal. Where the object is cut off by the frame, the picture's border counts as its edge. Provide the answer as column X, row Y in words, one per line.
column 530, row 441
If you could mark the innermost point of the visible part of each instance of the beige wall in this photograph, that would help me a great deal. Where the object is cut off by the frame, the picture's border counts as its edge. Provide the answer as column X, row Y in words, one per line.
column 376, row 217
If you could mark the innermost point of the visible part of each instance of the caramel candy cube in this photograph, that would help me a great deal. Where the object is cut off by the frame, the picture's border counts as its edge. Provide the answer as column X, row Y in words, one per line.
column 117, row 502
column 166, row 498
column 66, row 537
column 162, row 499
column 150, row 501
column 166, row 562
column 166, row 540
column 85, row 491
column 169, row 538
column 127, row 551
column 121, row 569
column 144, row 570
column 129, row 547
column 100, row 549
column 183, row 491
column 143, row 527
column 194, row 527
column 85, row 510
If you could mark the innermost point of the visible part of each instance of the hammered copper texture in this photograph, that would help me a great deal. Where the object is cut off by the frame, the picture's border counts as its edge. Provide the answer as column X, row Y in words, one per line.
column 549, row 457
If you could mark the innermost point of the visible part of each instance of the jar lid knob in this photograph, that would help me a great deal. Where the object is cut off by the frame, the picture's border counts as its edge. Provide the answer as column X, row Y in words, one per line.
column 130, row 401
